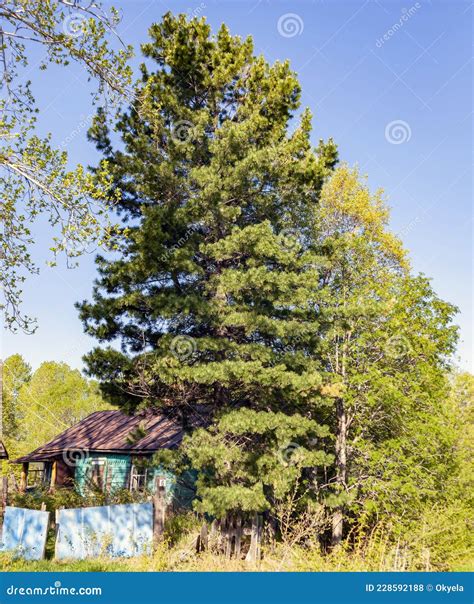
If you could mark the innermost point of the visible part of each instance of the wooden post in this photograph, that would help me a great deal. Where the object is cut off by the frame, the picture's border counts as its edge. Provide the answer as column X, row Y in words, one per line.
column 24, row 476
column 3, row 496
column 254, row 552
column 214, row 530
column 231, row 529
column 159, row 509
column 202, row 540
column 238, row 536
column 228, row 537
column 269, row 531
column 214, row 537
column 54, row 474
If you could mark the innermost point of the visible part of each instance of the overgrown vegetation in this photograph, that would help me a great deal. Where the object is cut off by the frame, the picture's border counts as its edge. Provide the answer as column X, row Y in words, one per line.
column 259, row 286
column 71, row 498
column 38, row 405
column 261, row 300
column 380, row 550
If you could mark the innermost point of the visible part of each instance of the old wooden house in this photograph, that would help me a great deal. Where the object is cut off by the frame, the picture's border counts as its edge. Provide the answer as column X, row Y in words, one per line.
column 107, row 450
column 3, row 451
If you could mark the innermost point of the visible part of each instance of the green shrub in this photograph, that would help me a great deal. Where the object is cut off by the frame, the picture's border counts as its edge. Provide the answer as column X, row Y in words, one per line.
column 178, row 526
column 70, row 498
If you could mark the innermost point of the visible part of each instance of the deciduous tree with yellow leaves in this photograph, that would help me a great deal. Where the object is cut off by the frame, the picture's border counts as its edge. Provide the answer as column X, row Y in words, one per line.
column 260, row 287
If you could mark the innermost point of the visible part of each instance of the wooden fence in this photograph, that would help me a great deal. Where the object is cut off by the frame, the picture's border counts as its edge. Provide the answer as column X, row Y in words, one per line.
column 236, row 536
column 3, row 495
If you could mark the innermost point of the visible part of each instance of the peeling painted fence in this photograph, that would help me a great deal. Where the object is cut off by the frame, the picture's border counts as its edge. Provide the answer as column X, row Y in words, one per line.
column 122, row 531
column 24, row 532
column 112, row 530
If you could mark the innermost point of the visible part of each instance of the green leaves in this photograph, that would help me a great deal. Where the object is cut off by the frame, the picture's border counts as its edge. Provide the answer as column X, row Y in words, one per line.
column 282, row 426
column 15, row 374
column 219, row 500
column 261, row 286
column 253, row 458
column 387, row 338
column 40, row 405
column 34, row 176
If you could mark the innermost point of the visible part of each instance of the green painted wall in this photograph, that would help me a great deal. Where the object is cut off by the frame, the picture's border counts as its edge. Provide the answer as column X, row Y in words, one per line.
column 170, row 480
column 116, row 475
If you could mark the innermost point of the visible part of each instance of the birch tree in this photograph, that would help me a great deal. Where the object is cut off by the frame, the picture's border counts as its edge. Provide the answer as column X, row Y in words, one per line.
column 35, row 177
column 386, row 341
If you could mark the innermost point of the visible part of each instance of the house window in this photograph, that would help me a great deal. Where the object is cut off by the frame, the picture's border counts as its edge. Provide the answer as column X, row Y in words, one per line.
column 96, row 474
column 39, row 475
column 138, row 478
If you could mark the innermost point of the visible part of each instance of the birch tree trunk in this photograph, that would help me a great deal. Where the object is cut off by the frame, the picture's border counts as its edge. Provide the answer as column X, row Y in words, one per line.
column 341, row 470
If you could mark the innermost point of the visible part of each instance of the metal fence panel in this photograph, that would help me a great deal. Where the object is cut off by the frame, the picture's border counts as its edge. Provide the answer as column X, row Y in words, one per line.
column 25, row 532
column 114, row 530
column 69, row 537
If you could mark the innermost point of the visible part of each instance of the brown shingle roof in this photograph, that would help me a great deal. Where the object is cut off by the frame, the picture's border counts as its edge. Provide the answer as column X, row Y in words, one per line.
column 3, row 451
column 109, row 431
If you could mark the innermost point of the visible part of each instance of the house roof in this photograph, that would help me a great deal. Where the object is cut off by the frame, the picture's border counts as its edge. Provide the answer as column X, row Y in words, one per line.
column 109, row 432
column 3, row 451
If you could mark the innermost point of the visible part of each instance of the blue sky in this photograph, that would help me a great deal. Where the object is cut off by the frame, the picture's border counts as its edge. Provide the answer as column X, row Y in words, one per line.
column 389, row 81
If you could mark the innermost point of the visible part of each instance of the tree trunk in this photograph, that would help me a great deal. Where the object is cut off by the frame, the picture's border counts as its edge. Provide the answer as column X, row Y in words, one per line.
column 1, row 399
column 341, row 470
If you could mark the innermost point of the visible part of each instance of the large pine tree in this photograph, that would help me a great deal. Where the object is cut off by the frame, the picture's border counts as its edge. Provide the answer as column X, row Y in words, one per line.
column 212, row 296
column 256, row 285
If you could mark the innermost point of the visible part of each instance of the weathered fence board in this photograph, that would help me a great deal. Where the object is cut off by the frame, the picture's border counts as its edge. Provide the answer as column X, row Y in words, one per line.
column 25, row 531
column 3, row 495
column 114, row 530
column 255, row 549
column 159, row 509
column 230, row 535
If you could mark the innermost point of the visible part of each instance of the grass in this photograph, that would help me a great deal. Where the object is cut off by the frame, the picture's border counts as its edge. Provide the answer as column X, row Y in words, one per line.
column 372, row 555
column 442, row 543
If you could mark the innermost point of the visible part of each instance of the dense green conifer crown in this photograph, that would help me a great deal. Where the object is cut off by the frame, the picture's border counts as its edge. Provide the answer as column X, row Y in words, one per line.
column 256, row 282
